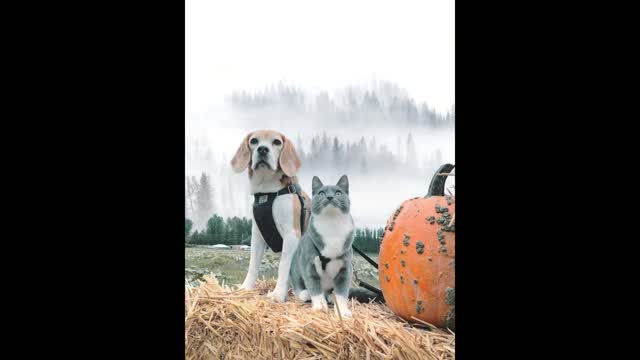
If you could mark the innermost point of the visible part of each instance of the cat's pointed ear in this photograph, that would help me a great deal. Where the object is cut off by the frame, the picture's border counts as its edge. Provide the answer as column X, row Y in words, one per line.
column 316, row 184
column 343, row 183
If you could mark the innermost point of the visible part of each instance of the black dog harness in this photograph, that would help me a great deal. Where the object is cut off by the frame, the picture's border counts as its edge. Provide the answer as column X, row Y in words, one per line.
column 263, row 215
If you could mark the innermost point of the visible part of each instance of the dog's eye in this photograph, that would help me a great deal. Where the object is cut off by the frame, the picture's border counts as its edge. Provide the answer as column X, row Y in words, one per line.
column 277, row 142
column 253, row 141
column 321, row 193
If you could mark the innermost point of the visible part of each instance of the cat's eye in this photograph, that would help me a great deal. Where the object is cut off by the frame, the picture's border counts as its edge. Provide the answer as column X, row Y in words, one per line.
column 338, row 193
column 321, row 193
column 254, row 141
column 277, row 142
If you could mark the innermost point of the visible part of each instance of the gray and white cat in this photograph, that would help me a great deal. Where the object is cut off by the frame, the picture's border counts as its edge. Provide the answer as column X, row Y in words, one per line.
column 322, row 261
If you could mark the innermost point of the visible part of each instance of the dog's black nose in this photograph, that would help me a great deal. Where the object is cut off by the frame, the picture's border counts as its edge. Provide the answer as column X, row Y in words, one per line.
column 263, row 150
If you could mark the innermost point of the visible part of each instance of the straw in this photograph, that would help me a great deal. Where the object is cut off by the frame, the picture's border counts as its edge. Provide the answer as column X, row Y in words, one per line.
column 225, row 323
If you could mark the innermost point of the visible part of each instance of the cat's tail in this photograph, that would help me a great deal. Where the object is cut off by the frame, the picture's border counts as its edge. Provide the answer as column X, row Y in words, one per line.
column 364, row 295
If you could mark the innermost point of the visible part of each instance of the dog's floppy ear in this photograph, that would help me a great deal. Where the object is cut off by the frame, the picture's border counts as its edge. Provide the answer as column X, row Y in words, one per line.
column 289, row 160
column 242, row 158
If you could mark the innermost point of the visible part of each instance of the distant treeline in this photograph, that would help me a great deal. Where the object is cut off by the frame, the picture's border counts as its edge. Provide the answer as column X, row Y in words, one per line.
column 230, row 231
column 385, row 102
column 237, row 231
column 363, row 157
column 368, row 240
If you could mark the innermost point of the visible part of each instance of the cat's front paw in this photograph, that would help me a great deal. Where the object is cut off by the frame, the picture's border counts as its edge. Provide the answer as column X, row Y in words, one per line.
column 319, row 303
column 319, row 306
column 342, row 303
column 346, row 313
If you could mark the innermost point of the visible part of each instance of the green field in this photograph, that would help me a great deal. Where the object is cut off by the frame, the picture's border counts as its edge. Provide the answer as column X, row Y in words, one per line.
column 231, row 266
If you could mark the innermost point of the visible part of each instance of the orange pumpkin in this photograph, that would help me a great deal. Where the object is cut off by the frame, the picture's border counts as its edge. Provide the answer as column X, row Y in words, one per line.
column 416, row 265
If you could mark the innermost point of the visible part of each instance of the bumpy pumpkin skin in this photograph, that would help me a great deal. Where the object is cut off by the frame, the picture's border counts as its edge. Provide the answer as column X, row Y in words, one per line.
column 417, row 261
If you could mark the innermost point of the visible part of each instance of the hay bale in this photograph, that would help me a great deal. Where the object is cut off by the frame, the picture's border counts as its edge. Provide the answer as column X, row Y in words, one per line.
column 221, row 323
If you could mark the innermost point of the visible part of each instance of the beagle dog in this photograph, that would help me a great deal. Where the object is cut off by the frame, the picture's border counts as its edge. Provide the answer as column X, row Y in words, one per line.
column 272, row 164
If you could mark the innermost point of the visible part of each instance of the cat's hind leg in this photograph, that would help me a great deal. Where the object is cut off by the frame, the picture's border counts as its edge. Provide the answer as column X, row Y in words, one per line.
column 297, row 282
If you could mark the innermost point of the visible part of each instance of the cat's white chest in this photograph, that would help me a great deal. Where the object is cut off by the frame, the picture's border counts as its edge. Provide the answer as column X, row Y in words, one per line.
column 332, row 268
column 334, row 230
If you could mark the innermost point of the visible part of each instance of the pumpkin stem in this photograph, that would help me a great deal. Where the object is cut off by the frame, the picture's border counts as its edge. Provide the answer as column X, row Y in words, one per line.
column 436, row 188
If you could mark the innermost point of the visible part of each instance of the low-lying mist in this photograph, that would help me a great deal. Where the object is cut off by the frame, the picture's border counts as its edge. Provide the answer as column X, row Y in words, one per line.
column 389, row 147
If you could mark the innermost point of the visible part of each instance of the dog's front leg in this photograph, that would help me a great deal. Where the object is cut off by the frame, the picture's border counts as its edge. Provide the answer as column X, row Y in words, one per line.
column 289, row 245
column 258, row 246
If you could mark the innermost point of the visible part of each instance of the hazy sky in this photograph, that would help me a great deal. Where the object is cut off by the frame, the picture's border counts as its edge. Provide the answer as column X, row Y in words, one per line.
column 318, row 45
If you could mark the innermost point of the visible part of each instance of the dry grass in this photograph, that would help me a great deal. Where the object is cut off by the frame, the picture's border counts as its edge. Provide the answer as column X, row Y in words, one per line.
column 222, row 323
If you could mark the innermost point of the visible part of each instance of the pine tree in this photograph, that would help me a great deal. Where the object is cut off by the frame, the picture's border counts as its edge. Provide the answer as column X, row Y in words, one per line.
column 235, row 229
column 335, row 150
column 411, row 112
column 358, row 152
column 246, row 231
column 195, row 237
column 411, row 151
column 314, row 148
column 323, row 104
column 399, row 147
column 374, row 103
column 325, row 141
column 300, row 149
column 452, row 117
column 364, row 166
column 191, row 187
column 204, row 201
column 215, row 230
column 324, row 151
column 373, row 146
column 188, row 224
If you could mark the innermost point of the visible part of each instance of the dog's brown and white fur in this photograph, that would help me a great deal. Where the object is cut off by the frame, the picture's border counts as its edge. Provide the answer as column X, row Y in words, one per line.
column 273, row 164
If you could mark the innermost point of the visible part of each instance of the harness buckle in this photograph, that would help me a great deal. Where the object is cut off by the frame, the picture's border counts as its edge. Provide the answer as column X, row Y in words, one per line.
column 292, row 186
